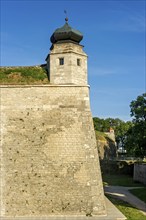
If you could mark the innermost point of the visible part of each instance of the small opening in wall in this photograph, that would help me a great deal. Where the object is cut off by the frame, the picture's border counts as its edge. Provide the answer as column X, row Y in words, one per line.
column 78, row 62
column 61, row 61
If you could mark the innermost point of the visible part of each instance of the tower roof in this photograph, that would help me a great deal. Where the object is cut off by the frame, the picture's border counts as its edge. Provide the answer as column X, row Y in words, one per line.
column 66, row 32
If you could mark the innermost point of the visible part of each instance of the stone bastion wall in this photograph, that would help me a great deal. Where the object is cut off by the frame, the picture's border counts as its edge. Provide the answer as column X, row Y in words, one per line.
column 49, row 161
column 140, row 172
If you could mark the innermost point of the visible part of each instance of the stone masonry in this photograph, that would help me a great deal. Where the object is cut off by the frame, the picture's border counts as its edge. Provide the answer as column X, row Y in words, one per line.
column 49, row 158
column 49, row 161
column 70, row 72
column 140, row 172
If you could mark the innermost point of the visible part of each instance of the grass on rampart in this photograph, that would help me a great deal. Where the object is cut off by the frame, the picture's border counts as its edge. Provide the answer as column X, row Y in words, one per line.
column 100, row 135
column 23, row 75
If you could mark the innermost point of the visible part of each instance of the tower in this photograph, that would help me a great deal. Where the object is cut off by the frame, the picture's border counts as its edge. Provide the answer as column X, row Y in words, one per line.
column 67, row 62
column 67, row 68
column 49, row 152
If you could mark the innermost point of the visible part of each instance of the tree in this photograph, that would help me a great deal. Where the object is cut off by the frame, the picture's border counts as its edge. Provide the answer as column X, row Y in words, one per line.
column 138, row 109
column 120, row 127
column 136, row 136
column 121, row 132
column 129, row 135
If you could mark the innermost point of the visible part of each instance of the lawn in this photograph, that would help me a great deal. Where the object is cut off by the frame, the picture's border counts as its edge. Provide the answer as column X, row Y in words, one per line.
column 124, row 180
column 120, row 180
column 130, row 212
column 140, row 193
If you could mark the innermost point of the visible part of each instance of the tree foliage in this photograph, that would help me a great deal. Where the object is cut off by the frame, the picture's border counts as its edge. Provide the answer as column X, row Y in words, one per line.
column 136, row 141
column 120, row 127
column 130, row 135
column 138, row 109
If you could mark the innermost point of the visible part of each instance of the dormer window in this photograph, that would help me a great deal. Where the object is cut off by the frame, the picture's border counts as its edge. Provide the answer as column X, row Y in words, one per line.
column 61, row 61
column 78, row 62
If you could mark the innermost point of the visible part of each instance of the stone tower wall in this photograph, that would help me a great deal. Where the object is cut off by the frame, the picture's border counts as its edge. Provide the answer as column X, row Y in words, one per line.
column 49, row 161
column 70, row 72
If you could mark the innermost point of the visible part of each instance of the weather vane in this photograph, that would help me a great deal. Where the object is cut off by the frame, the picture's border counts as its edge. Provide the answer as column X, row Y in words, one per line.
column 66, row 19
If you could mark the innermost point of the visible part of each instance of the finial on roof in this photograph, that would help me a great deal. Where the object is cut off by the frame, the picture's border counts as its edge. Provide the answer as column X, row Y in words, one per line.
column 66, row 33
column 66, row 19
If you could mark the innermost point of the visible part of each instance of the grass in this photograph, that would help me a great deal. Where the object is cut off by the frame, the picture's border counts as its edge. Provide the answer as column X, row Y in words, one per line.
column 124, row 180
column 140, row 193
column 120, row 180
column 23, row 75
column 129, row 211
column 100, row 135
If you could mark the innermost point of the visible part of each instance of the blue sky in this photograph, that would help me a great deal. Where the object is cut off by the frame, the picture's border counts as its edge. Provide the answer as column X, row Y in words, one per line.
column 114, row 39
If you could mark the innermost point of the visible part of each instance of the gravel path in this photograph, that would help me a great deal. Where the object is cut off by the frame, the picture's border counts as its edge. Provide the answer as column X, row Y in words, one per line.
column 123, row 193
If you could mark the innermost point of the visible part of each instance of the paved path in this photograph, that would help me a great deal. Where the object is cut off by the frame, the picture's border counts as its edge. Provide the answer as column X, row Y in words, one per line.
column 123, row 193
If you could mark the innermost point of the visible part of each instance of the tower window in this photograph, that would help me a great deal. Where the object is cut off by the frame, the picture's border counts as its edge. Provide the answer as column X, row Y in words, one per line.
column 61, row 61
column 78, row 62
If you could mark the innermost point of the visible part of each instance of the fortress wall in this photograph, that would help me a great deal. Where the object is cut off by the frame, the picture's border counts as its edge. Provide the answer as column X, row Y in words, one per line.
column 49, row 162
column 140, row 172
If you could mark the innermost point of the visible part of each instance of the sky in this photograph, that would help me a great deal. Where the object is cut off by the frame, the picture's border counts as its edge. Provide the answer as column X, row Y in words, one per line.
column 114, row 40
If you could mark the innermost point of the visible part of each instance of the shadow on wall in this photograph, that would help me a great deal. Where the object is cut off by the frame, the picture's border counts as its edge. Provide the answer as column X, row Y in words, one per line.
column 106, row 146
column 117, row 167
column 107, row 150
